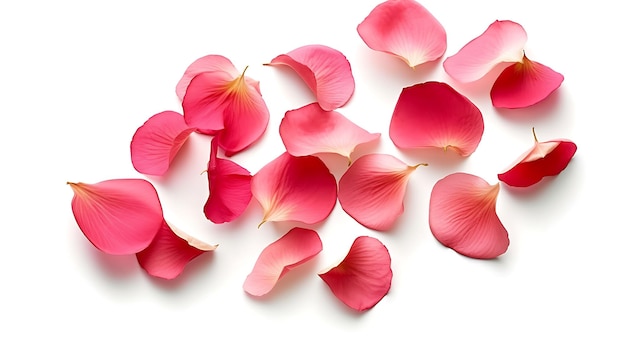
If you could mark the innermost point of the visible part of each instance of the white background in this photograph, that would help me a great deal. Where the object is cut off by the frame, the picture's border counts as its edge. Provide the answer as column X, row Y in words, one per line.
column 77, row 79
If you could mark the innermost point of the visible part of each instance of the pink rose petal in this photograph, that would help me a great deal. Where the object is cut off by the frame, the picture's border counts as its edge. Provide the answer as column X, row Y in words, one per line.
column 209, row 63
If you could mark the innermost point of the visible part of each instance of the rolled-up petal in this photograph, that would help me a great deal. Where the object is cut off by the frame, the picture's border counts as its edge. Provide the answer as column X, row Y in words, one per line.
column 503, row 41
column 547, row 158
column 406, row 29
column 310, row 130
column 325, row 71
column 229, row 188
column 433, row 114
column 156, row 142
column 463, row 216
column 372, row 190
column 363, row 278
column 295, row 189
column 170, row 252
column 118, row 216
column 291, row 250
column 209, row 63
column 524, row 84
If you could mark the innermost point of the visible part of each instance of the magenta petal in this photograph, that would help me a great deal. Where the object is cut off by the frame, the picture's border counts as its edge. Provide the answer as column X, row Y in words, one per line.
column 291, row 250
column 325, row 71
column 209, row 63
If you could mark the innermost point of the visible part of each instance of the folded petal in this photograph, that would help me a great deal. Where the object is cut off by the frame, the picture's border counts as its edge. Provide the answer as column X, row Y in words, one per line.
column 372, row 190
column 433, row 114
column 363, row 278
column 209, row 63
column 156, row 142
column 325, row 71
column 406, row 29
column 310, row 130
column 295, row 189
column 547, row 158
column 503, row 41
column 118, row 216
column 463, row 216
column 291, row 250
column 524, row 84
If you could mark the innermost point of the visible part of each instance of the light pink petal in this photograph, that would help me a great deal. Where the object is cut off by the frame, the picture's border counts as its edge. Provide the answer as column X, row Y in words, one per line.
column 156, row 142
column 291, row 250
column 209, row 63
column 325, row 71
column 363, row 278
column 372, row 190
column 310, row 130
column 524, row 84
column 434, row 115
column 295, row 189
column 463, row 216
column 118, row 216
column 406, row 29
column 229, row 188
column 503, row 41
column 170, row 251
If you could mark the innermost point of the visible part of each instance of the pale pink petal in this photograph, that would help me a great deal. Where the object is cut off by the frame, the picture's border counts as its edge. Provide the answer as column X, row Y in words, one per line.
column 325, row 71
column 463, row 216
column 406, row 29
column 295, row 189
column 118, row 216
column 209, row 63
column 434, row 115
column 372, row 190
column 503, row 41
column 524, row 84
column 363, row 278
column 156, row 142
column 170, row 252
column 291, row 250
column 311, row 130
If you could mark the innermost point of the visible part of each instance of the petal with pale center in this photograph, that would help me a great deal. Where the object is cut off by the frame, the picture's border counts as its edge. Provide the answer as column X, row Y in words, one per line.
column 208, row 63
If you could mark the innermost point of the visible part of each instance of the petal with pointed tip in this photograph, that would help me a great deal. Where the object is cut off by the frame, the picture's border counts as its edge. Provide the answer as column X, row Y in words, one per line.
column 208, row 63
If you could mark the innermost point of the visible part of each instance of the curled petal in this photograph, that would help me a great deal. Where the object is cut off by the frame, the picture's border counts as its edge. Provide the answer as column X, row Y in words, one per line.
column 310, row 130
column 433, row 114
column 503, row 41
column 209, row 63
column 295, row 189
column 524, row 84
column 363, row 278
column 372, row 190
column 406, row 29
column 170, row 251
column 118, row 216
column 463, row 216
column 156, row 142
column 325, row 71
column 291, row 250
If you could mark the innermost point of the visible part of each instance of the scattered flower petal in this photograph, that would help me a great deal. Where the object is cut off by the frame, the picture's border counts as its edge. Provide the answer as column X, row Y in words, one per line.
column 118, row 216
column 291, row 250
column 463, row 216
column 209, row 63
column 433, row 114
column 372, row 190
column 363, row 278
column 325, row 71
column 406, row 29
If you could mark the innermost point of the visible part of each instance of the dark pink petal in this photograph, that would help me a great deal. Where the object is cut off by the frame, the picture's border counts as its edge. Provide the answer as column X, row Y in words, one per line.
column 310, row 130
column 372, row 190
column 503, row 41
column 406, row 29
column 118, row 216
column 463, row 216
column 433, row 114
column 363, row 278
column 156, row 142
column 291, row 250
column 170, row 251
column 524, row 84
column 209, row 63
column 229, row 188
column 547, row 158
column 325, row 71
column 295, row 189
